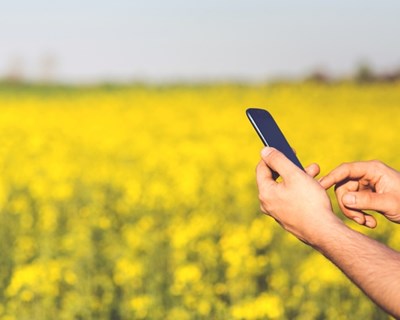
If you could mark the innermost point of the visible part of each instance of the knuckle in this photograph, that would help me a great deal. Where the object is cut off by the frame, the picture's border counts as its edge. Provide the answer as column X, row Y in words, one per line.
column 344, row 164
column 343, row 168
column 378, row 165
column 261, row 197
column 274, row 154
column 264, row 203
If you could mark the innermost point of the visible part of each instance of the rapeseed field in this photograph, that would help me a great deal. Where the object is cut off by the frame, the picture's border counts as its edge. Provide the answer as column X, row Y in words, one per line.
column 140, row 202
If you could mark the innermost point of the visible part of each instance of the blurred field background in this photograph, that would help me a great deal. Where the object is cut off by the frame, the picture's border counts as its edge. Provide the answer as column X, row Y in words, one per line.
column 127, row 164
column 140, row 202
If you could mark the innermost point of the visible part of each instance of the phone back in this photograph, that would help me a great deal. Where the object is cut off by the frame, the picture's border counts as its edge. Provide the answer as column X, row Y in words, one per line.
column 270, row 133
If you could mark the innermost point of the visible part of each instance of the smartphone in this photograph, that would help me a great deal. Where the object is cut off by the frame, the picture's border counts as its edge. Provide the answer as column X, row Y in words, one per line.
column 270, row 134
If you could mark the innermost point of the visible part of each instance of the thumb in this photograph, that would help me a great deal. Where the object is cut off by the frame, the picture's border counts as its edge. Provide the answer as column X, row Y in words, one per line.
column 277, row 161
column 380, row 202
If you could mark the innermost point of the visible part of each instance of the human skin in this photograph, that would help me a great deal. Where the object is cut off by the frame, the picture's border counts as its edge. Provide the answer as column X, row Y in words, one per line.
column 366, row 185
column 301, row 206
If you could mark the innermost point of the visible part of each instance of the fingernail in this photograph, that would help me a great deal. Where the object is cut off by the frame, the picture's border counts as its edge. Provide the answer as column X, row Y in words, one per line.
column 358, row 220
column 370, row 224
column 266, row 151
column 349, row 199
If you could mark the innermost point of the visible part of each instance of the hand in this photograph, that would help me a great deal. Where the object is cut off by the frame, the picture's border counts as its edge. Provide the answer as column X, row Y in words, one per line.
column 298, row 203
column 369, row 185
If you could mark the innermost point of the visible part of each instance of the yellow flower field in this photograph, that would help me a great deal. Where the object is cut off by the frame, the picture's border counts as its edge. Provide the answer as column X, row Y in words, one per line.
column 140, row 202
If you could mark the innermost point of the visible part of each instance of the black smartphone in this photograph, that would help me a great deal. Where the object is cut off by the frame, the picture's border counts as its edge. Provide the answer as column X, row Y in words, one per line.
column 270, row 134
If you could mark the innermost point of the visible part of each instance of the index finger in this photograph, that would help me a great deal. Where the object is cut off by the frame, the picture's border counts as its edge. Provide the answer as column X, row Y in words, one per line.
column 353, row 170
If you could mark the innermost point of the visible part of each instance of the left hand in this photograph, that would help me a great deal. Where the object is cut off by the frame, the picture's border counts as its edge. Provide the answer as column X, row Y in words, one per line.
column 298, row 203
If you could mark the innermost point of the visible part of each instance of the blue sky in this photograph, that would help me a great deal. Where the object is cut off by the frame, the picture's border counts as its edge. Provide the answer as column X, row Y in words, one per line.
column 197, row 40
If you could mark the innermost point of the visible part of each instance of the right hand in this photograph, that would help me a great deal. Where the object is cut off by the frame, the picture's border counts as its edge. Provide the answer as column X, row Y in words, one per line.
column 369, row 185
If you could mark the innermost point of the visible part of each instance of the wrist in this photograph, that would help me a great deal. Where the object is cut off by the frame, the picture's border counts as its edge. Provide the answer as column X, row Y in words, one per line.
column 326, row 232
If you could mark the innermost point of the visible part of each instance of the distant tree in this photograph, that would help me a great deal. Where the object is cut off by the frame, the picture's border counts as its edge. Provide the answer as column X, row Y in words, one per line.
column 15, row 70
column 319, row 76
column 364, row 74
column 390, row 76
column 47, row 67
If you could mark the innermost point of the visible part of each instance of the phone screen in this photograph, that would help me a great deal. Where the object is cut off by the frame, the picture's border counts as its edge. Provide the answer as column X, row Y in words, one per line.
column 270, row 133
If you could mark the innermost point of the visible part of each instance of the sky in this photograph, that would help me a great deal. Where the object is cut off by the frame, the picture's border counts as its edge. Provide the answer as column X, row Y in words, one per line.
column 180, row 40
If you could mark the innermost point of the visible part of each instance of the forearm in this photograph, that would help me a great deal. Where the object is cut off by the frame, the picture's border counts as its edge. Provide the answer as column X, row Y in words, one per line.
column 371, row 265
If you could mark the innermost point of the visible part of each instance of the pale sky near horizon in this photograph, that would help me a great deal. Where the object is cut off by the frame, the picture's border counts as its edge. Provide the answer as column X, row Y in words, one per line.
column 197, row 40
